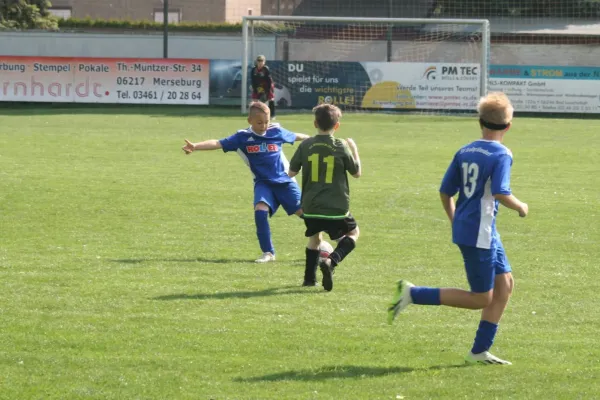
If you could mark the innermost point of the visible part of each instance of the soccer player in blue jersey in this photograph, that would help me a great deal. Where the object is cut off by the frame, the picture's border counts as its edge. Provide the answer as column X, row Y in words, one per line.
column 480, row 174
column 260, row 146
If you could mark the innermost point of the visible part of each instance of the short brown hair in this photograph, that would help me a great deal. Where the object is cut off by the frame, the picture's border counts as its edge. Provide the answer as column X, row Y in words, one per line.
column 326, row 116
column 495, row 108
column 261, row 58
column 257, row 106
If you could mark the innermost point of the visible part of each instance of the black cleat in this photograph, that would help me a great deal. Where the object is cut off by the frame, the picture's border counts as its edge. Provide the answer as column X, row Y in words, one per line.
column 309, row 283
column 327, row 271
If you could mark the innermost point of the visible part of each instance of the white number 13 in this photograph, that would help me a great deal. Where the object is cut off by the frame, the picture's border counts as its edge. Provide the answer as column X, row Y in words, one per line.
column 470, row 174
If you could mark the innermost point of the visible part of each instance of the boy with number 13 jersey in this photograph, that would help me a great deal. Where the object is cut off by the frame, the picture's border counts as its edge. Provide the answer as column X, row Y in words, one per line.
column 326, row 193
column 480, row 174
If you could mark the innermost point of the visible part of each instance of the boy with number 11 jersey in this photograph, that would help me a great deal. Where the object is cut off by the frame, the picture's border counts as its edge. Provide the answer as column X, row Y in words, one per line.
column 325, row 160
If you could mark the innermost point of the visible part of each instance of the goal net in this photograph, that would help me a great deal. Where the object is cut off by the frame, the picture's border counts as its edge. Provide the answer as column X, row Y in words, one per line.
column 436, row 65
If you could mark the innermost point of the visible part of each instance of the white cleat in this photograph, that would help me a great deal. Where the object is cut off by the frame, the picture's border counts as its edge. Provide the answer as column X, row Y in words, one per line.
column 400, row 301
column 485, row 358
column 266, row 257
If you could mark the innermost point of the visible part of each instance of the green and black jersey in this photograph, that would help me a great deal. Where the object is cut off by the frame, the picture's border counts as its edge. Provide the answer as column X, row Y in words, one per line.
column 324, row 160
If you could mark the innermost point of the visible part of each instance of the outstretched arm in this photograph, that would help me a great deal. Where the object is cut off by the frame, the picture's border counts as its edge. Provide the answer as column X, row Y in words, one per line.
column 301, row 136
column 205, row 145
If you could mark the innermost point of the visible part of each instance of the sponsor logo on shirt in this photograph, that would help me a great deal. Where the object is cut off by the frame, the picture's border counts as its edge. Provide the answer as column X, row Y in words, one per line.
column 262, row 148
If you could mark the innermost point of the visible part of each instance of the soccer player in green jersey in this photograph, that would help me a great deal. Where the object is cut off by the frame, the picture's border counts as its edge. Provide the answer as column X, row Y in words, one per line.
column 326, row 194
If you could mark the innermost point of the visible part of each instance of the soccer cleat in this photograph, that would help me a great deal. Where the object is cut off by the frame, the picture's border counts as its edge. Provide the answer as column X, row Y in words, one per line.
column 400, row 301
column 327, row 271
column 309, row 282
column 485, row 358
column 266, row 257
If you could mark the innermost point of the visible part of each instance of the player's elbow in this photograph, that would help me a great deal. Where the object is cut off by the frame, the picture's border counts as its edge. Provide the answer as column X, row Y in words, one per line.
column 501, row 196
column 357, row 175
column 445, row 197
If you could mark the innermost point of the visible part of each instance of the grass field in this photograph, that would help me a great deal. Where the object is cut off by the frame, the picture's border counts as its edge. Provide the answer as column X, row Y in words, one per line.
column 126, row 273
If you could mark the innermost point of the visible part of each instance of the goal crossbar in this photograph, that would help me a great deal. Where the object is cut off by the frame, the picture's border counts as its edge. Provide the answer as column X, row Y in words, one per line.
column 366, row 20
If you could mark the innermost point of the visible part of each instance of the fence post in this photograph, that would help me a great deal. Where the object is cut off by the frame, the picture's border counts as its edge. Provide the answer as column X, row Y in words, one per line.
column 165, row 28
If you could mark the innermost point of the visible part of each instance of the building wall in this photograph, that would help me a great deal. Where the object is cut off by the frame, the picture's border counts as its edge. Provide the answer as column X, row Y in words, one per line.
column 236, row 9
column 412, row 51
column 279, row 7
column 191, row 10
column 104, row 45
column 230, row 47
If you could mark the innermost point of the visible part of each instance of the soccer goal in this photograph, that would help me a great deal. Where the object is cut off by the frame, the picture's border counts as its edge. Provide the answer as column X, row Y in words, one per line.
column 436, row 65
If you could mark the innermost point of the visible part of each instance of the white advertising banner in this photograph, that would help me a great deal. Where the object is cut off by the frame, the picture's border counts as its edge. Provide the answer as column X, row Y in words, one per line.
column 435, row 86
column 104, row 80
column 548, row 89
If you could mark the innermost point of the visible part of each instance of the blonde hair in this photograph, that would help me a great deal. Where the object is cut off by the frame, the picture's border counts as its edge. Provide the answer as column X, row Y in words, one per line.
column 257, row 106
column 495, row 108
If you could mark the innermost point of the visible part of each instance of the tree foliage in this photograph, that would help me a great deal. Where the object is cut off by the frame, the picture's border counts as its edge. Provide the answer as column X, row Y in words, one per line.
column 26, row 14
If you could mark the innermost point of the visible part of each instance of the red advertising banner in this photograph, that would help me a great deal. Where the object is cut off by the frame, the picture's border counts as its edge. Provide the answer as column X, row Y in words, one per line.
column 104, row 80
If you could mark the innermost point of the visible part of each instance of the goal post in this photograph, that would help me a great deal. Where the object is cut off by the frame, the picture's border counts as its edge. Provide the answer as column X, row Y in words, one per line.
column 437, row 65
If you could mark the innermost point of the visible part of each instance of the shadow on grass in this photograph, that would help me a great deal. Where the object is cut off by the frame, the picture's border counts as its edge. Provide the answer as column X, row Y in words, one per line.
column 152, row 110
column 341, row 371
column 276, row 291
column 201, row 260
column 183, row 260
column 27, row 109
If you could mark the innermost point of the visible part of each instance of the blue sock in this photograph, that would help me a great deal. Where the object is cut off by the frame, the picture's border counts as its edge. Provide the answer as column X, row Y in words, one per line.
column 263, row 231
column 425, row 295
column 484, row 337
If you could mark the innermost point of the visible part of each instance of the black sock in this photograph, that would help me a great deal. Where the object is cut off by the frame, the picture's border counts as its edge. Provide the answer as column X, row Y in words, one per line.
column 344, row 247
column 272, row 108
column 312, row 262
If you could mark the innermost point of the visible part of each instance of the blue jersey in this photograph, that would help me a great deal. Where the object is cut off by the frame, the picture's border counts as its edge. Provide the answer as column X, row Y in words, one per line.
column 478, row 171
column 262, row 153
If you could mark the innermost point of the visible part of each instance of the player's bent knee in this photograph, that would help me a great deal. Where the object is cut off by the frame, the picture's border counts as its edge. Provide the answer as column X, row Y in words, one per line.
column 510, row 284
column 354, row 234
column 314, row 242
column 504, row 286
column 260, row 206
column 482, row 300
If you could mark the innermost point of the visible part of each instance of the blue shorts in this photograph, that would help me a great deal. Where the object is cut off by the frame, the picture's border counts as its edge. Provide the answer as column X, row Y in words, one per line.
column 482, row 265
column 274, row 195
